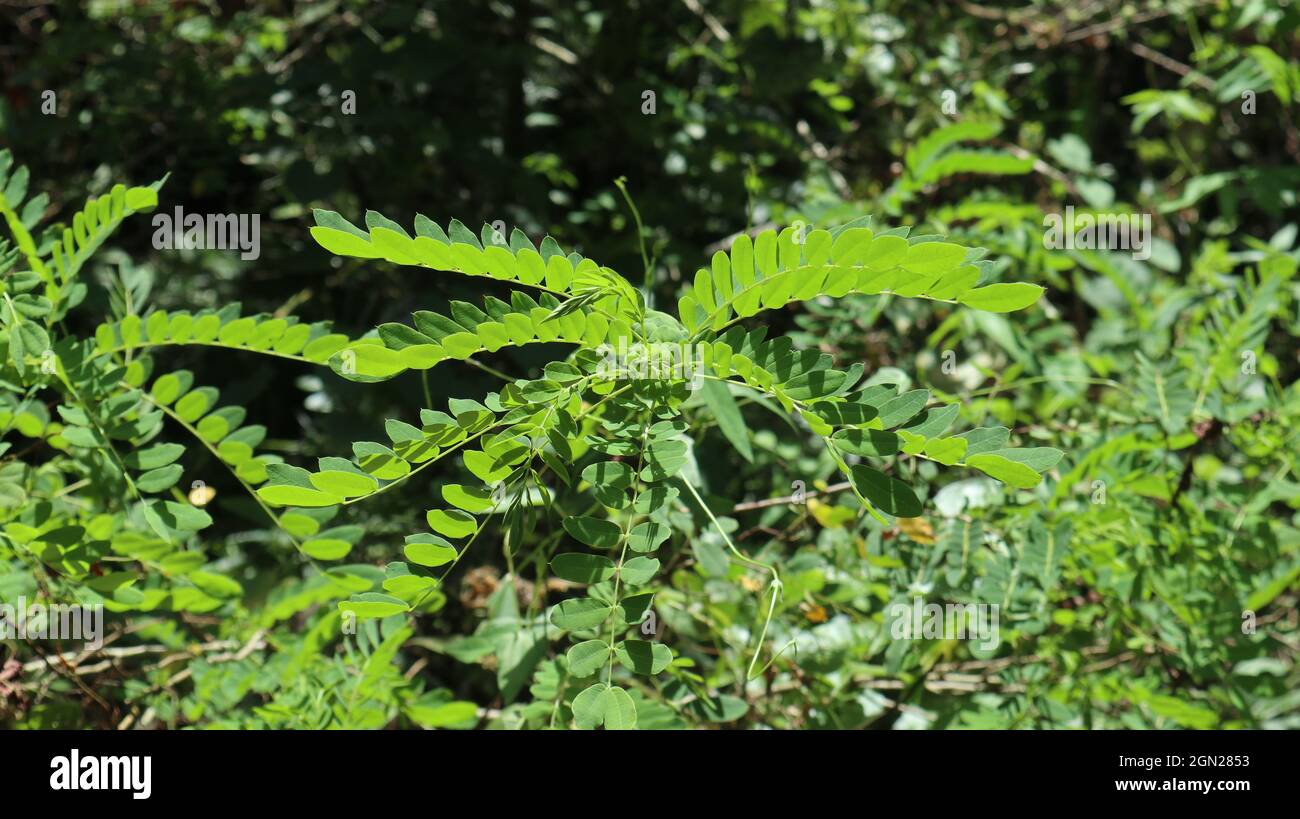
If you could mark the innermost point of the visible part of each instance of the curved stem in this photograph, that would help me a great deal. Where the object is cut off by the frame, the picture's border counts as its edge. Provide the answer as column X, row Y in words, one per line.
column 170, row 413
column 775, row 585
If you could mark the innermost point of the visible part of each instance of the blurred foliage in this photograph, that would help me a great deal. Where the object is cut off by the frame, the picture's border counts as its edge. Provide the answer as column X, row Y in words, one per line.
column 1150, row 581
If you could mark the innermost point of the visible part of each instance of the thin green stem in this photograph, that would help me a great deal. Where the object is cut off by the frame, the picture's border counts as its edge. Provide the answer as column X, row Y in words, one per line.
column 775, row 586
column 624, row 537
column 190, row 343
column 170, row 413
column 648, row 287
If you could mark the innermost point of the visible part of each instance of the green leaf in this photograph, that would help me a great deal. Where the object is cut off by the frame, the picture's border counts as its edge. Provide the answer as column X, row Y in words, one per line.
column 167, row 388
column 589, row 707
column 156, row 480
column 947, row 451
column 594, row 532
column 933, row 422
column 344, row 484
column 932, row 258
column 582, row 568
column 866, row 442
column 459, row 714
column 327, row 548
column 217, row 585
column 723, row 405
column 453, row 523
column 644, row 657
column 897, row 410
column 639, row 570
column 343, row 244
column 609, row 475
column 1002, row 298
column 620, row 710
column 474, row 499
column 432, row 553
column 985, row 439
column 580, row 613
column 284, row 495
column 587, row 657
column 194, row 404
column 646, row 536
column 180, row 516
column 888, row 494
column 372, row 605
column 1005, row 470
column 841, row 413
column 1038, row 458
column 663, row 459
column 154, row 456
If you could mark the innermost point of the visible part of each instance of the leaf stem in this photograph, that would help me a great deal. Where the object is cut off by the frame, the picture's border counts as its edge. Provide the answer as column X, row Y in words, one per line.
column 775, row 586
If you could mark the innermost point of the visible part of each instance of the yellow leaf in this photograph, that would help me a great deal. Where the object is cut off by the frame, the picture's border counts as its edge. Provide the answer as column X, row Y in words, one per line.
column 813, row 613
column 830, row 517
column 917, row 529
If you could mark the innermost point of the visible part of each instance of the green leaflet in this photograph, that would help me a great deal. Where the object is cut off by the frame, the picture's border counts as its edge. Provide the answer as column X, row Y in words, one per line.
column 580, row 613
column 327, row 548
column 429, row 550
column 344, row 484
column 297, row 496
column 583, row 568
column 453, row 523
column 1005, row 470
column 589, row 706
column 644, row 657
column 373, row 605
column 639, row 570
column 730, row 421
column 1002, row 298
column 887, row 493
column 620, row 710
column 594, row 532
column 587, row 657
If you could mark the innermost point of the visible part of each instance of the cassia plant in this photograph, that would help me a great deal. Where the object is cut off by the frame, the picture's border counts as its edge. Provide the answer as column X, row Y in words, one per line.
column 601, row 443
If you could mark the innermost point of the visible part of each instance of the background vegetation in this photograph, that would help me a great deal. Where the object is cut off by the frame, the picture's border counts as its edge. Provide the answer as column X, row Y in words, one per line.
column 1169, row 383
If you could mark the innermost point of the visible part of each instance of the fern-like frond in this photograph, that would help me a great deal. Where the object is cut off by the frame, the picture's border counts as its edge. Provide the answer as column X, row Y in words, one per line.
column 95, row 222
column 220, row 429
column 774, row 269
column 457, row 249
column 375, row 467
column 470, row 330
column 281, row 337
column 935, row 158
column 91, row 225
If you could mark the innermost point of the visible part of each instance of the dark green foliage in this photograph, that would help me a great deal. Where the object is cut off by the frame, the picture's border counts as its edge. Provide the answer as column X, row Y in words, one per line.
column 730, row 374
